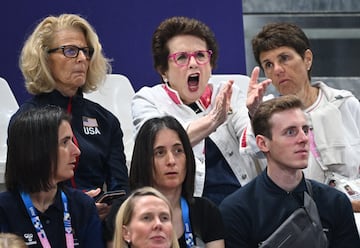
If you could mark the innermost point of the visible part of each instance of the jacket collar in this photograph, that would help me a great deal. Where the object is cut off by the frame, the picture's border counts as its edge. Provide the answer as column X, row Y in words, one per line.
column 56, row 98
column 272, row 187
column 204, row 101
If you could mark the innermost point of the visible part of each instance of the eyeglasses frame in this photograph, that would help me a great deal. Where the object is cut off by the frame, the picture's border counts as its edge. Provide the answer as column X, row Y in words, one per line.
column 173, row 55
column 91, row 51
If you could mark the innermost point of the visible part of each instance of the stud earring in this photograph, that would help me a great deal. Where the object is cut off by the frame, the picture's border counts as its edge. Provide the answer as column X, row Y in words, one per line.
column 165, row 80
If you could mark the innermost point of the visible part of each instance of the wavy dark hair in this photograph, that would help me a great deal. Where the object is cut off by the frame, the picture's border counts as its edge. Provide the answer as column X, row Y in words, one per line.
column 180, row 25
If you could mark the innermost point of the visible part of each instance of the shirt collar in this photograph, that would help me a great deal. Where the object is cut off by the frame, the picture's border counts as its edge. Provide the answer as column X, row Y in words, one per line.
column 271, row 186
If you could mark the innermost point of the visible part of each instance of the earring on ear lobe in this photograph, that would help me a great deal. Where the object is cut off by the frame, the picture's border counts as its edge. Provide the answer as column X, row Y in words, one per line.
column 166, row 80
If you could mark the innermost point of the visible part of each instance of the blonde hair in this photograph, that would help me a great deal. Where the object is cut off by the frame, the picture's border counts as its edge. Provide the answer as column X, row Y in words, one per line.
column 125, row 213
column 10, row 240
column 33, row 60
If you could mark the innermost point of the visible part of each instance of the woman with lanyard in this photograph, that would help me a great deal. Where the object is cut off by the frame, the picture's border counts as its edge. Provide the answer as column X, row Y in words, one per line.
column 163, row 158
column 145, row 220
column 36, row 206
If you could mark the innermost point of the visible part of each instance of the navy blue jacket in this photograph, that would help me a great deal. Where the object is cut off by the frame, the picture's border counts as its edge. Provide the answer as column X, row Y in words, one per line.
column 99, row 137
column 254, row 211
column 85, row 220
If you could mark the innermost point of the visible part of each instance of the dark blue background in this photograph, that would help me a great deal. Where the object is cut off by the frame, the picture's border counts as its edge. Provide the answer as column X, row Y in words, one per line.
column 125, row 29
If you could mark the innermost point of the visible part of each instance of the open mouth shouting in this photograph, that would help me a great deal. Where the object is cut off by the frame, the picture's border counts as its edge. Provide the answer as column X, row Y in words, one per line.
column 193, row 82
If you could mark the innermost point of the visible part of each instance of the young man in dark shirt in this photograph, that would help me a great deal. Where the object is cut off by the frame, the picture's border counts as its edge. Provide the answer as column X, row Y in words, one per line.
column 255, row 211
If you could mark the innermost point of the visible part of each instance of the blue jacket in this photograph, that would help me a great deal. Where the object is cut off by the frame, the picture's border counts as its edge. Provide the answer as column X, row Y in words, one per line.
column 254, row 212
column 99, row 137
column 85, row 220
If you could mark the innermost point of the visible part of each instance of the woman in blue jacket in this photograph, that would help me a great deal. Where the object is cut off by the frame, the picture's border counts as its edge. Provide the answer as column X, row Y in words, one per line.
column 37, row 206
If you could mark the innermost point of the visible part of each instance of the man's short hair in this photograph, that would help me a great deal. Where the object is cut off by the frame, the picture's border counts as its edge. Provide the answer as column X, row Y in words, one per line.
column 260, row 121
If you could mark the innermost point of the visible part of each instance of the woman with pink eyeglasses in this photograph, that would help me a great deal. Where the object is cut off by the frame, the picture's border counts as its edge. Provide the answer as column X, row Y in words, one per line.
column 214, row 114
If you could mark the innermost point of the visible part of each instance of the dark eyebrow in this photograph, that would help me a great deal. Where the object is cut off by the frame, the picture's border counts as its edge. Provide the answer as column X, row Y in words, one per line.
column 264, row 61
column 158, row 147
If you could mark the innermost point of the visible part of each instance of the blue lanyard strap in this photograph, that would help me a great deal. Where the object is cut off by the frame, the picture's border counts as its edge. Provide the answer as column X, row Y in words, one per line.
column 39, row 227
column 67, row 222
column 189, row 238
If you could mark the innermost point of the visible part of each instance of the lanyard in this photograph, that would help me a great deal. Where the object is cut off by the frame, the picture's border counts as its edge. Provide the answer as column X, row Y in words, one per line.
column 314, row 150
column 189, row 239
column 39, row 227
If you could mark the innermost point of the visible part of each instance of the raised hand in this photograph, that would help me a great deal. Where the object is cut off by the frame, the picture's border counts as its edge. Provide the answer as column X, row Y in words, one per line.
column 255, row 91
column 222, row 104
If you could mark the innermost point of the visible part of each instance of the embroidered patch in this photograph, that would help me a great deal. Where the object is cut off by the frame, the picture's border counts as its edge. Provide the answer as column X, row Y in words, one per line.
column 90, row 126
column 89, row 122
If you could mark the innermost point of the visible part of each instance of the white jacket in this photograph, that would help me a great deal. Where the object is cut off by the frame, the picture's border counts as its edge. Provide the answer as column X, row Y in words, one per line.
column 335, row 122
column 335, row 119
column 160, row 100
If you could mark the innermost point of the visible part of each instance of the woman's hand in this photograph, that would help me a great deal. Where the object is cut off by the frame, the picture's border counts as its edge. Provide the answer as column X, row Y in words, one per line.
column 204, row 126
column 356, row 205
column 255, row 91
column 93, row 193
column 102, row 208
column 222, row 104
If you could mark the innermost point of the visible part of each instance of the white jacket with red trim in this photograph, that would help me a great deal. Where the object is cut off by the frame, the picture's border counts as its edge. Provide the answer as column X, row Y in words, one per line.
column 161, row 100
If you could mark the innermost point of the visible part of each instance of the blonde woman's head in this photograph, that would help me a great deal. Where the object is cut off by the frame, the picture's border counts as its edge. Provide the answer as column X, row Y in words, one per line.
column 145, row 220
column 34, row 58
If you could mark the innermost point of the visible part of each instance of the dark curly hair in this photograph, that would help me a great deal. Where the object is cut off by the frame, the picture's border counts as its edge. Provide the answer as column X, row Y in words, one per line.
column 180, row 25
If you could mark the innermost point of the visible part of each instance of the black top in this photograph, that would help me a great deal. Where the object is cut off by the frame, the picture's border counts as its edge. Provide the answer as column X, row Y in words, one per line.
column 257, row 209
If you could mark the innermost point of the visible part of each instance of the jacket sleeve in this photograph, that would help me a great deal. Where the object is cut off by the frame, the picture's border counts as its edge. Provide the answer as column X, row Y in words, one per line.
column 88, row 223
